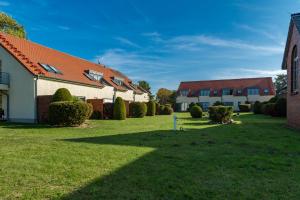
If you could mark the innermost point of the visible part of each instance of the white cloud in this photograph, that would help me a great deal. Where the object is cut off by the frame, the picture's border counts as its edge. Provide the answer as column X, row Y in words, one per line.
column 4, row 3
column 191, row 43
column 65, row 28
column 127, row 42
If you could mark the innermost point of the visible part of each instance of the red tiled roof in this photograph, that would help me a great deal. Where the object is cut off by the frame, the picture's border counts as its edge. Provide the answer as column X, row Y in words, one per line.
column 30, row 54
column 195, row 86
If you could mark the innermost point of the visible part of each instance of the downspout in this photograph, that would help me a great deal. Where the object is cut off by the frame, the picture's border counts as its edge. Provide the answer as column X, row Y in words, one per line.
column 35, row 98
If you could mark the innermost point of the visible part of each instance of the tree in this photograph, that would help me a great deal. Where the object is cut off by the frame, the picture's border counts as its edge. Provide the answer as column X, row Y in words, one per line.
column 165, row 96
column 11, row 26
column 145, row 85
column 280, row 83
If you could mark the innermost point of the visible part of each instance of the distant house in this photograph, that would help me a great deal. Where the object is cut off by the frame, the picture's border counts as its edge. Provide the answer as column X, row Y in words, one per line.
column 29, row 70
column 291, row 64
column 231, row 92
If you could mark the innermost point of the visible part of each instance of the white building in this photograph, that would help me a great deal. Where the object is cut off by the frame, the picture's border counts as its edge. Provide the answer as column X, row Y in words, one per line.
column 29, row 70
column 231, row 92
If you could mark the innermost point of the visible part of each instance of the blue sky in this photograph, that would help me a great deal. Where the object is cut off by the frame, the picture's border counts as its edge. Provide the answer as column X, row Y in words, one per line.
column 164, row 41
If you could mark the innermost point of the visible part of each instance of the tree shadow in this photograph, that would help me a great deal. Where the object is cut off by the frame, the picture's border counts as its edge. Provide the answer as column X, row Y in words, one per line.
column 11, row 125
column 193, row 164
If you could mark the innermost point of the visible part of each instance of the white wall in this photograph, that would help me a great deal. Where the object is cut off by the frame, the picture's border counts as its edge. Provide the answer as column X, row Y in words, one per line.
column 142, row 97
column 48, row 87
column 21, row 91
column 127, row 96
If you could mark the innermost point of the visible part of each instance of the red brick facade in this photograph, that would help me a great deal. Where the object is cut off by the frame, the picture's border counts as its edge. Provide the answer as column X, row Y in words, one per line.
column 97, row 105
column 293, row 101
column 43, row 103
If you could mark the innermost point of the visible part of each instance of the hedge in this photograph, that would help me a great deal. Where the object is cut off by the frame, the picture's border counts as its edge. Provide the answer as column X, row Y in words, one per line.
column 257, row 107
column 196, row 112
column 167, row 110
column 90, row 110
column 119, row 112
column 161, row 109
column 157, row 106
column 62, row 94
column 269, row 109
column 220, row 114
column 245, row 107
column 218, row 103
column 281, row 107
column 137, row 109
column 68, row 113
column 151, row 108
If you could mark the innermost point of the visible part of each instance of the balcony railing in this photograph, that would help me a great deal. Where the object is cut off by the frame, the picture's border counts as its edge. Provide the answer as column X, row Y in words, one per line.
column 4, row 78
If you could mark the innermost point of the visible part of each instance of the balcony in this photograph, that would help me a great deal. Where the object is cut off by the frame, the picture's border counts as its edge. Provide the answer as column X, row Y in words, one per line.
column 4, row 81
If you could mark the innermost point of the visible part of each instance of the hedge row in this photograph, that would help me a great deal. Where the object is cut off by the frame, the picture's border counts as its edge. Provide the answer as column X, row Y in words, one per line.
column 245, row 107
column 276, row 107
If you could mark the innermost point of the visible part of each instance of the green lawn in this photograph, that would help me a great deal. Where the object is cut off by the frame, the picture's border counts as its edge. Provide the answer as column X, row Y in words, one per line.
column 255, row 158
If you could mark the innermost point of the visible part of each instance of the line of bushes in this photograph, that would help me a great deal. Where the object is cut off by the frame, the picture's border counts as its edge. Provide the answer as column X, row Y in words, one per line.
column 276, row 107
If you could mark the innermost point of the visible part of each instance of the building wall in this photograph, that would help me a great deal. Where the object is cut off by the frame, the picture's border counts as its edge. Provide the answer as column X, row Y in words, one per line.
column 127, row 96
column 142, row 97
column 226, row 98
column 22, row 105
column 48, row 87
column 293, row 101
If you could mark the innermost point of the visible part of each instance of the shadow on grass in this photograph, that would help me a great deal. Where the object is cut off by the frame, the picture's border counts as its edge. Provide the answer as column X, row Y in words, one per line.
column 210, row 163
column 10, row 125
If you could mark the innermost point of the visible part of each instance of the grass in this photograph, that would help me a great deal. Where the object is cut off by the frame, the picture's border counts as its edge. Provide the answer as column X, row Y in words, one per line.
column 256, row 158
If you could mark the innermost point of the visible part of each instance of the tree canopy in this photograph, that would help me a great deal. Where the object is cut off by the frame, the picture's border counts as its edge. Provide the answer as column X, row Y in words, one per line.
column 11, row 26
column 145, row 85
column 280, row 83
column 165, row 96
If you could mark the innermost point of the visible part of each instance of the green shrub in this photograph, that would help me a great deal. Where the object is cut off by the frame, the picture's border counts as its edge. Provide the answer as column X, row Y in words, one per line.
column 280, row 107
column 157, row 106
column 245, row 107
column 273, row 99
column 167, row 110
column 151, row 108
column 218, row 103
column 62, row 94
column 220, row 114
column 145, row 107
column 68, row 113
column 90, row 110
column 168, row 105
column 268, row 109
column 196, row 112
column 257, row 107
column 161, row 109
column 137, row 109
column 96, row 115
column 119, row 112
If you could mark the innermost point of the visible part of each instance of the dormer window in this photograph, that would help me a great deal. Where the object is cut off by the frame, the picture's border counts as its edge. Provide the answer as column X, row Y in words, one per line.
column 227, row 91
column 184, row 93
column 118, row 81
column 50, row 68
column 94, row 75
column 239, row 92
column 266, row 91
column 205, row 92
column 215, row 92
column 253, row 91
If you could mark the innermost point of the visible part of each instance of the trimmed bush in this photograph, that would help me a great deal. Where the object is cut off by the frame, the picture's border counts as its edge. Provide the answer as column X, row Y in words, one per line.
column 220, row 114
column 273, row 99
column 96, row 115
column 157, row 106
column 245, row 107
column 137, row 109
column 145, row 107
column 151, row 108
column 257, row 107
column 218, row 103
column 280, row 107
column 62, row 94
column 196, row 112
column 167, row 110
column 68, row 113
column 90, row 110
column 269, row 109
column 119, row 112
column 161, row 109
column 190, row 106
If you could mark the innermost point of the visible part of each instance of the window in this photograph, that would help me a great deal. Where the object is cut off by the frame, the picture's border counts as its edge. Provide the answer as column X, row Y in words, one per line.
column 118, row 81
column 266, row 91
column 227, row 92
column 50, row 68
column 204, row 105
column 184, row 93
column 215, row 92
column 294, row 71
column 239, row 92
column 205, row 92
column 93, row 75
column 253, row 91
